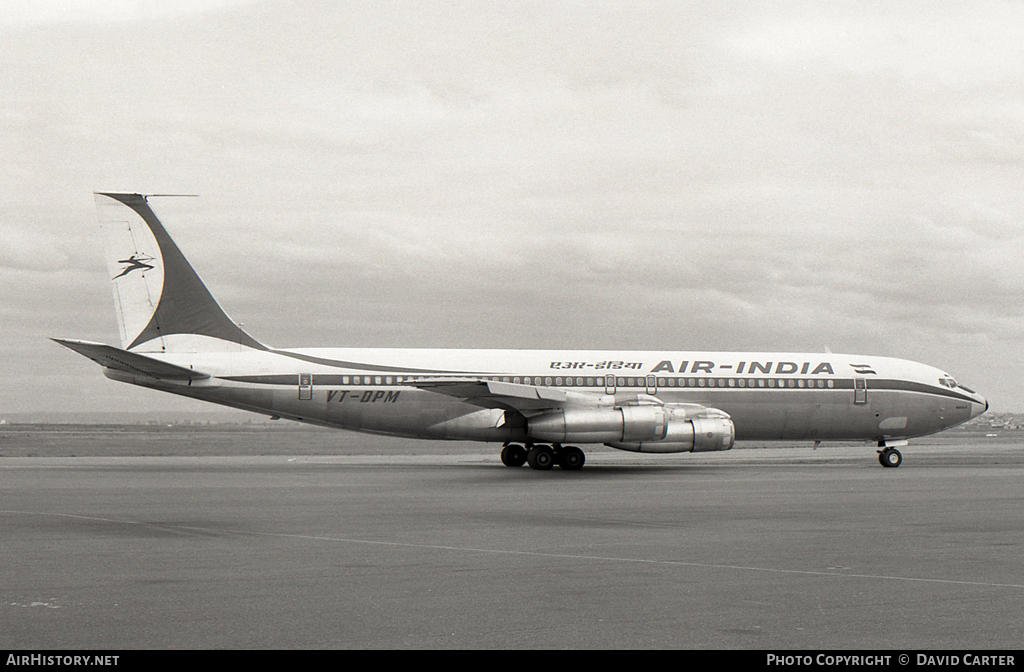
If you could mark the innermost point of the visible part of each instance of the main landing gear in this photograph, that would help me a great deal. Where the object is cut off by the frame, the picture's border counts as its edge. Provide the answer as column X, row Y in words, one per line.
column 890, row 457
column 542, row 457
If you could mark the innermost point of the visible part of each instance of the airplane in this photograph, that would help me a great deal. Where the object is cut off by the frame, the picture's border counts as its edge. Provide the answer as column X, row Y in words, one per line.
column 536, row 403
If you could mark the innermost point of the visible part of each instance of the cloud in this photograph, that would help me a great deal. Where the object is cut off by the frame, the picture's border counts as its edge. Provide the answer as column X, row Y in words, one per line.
column 932, row 43
column 103, row 11
column 451, row 174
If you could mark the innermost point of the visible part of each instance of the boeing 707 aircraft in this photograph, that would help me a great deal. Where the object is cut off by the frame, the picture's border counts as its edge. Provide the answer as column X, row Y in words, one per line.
column 176, row 338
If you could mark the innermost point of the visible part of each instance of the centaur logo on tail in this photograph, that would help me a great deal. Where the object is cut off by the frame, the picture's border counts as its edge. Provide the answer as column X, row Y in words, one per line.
column 535, row 403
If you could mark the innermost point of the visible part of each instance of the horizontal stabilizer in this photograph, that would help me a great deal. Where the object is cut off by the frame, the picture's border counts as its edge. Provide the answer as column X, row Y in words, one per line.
column 110, row 357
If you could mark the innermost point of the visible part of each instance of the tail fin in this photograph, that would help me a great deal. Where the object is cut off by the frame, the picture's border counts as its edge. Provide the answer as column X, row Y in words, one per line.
column 161, row 303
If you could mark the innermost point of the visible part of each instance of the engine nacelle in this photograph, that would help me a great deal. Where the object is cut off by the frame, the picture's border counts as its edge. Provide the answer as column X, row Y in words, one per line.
column 675, row 428
column 688, row 430
column 599, row 425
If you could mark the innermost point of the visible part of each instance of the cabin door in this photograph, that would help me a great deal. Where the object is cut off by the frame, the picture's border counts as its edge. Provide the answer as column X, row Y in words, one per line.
column 860, row 391
column 305, row 386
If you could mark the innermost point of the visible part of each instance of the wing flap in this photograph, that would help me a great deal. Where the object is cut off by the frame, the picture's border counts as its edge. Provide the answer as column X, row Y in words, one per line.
column 526, row 399
column 110, row 357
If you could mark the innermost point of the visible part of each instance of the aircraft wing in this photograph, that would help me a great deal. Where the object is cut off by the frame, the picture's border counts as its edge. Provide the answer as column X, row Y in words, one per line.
column 110, row 357
column 527, row 399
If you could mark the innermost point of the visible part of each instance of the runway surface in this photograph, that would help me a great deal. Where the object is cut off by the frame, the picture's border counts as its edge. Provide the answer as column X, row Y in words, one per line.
column 775, row 548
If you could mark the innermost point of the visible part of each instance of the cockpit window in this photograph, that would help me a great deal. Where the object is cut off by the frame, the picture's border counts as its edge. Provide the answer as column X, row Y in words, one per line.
column 946, row 381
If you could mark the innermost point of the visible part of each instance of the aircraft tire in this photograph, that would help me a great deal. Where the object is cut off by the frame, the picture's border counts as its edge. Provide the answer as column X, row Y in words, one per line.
column 890, row 457
column 513, row 455
column 571, row 458
column 541, row 458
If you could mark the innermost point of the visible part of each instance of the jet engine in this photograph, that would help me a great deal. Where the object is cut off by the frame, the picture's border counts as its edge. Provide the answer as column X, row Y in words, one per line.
column 672, row 428
column 710, row 430
column 599, row 425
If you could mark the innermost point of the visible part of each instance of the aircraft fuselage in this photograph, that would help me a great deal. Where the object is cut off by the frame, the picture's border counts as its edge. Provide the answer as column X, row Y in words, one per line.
column 770, row 396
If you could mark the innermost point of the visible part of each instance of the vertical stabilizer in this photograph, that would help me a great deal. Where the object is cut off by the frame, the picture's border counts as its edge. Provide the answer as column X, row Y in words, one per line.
column 157, row 294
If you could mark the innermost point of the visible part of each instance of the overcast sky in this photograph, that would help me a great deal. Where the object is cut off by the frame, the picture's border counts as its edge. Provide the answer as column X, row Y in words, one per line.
column 712, row 176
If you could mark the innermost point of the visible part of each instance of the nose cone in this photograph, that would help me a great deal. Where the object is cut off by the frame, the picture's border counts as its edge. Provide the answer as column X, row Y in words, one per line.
column 978, row 406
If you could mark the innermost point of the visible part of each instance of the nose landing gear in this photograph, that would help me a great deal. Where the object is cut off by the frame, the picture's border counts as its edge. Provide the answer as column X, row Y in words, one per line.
column 890, row 457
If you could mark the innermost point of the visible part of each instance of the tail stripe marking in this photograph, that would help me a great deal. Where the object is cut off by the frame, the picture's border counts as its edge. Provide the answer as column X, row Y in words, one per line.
column 186, row 305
